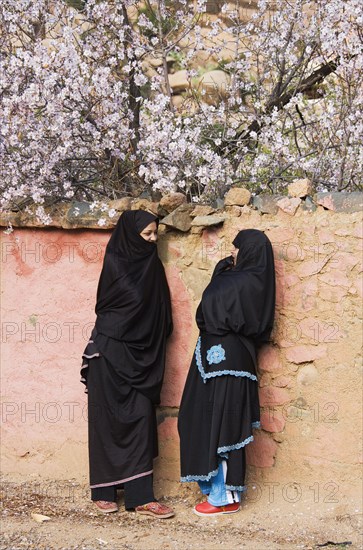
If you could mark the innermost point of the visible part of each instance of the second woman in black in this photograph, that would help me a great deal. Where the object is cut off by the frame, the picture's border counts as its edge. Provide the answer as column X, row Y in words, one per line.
column 220, row 406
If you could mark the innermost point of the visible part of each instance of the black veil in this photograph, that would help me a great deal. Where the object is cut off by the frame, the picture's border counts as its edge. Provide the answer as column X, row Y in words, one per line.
column 241, row 298
column 133, row 306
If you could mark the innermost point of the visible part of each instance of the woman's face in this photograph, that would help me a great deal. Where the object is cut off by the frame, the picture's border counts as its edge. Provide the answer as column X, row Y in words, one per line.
column 150, row 232
column 234, row 252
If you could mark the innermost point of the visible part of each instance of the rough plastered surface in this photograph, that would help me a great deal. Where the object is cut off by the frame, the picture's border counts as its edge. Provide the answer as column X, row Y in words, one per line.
column 308, row 450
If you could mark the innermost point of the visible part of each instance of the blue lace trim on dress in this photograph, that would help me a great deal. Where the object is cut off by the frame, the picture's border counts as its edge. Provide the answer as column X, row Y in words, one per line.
column 223, row 453
column 228, row 448
column 206, row 375
column 199, row 478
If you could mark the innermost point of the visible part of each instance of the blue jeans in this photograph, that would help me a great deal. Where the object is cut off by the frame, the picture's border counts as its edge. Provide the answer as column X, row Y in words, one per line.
column 216, row 490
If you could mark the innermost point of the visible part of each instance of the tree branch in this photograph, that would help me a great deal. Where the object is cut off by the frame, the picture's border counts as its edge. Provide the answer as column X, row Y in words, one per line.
column 315, row 78
column 134, row 90
column 163, row 56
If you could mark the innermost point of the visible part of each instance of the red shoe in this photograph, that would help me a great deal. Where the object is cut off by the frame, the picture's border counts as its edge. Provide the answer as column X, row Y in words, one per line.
column 206, row 509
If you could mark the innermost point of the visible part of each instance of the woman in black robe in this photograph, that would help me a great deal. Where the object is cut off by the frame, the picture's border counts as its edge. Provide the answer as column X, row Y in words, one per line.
column 123, row 367
column 220, row 406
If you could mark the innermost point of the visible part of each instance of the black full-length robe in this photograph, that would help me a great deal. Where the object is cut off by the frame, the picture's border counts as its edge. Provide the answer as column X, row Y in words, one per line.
column 123, row 364
column 220, row 406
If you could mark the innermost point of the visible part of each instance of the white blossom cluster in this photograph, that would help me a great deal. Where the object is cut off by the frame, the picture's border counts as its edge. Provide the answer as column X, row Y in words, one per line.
column 179, row 153
column 82, row 116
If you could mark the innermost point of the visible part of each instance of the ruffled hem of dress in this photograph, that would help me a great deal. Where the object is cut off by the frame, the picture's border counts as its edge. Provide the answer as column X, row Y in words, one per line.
column 235, row 447
column 90, row 352
column 222, row 452
column 199, row 477
column 213, row 374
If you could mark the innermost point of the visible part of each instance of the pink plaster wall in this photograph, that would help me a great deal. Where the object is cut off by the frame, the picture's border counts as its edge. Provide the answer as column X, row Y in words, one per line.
column 48, row 288
column 310, row 383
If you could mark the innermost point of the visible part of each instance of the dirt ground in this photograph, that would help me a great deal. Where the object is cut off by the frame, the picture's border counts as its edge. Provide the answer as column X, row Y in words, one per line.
column 74, row 524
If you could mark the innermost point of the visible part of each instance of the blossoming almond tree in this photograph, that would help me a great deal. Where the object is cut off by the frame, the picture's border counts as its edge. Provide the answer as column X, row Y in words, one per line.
column 87, row 113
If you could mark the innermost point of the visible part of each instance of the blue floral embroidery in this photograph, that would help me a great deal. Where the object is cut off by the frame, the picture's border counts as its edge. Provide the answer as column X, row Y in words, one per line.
column 216, row 354
column 207, row 375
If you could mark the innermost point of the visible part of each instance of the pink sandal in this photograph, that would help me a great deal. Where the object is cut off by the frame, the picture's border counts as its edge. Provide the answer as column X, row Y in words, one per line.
column 105, row 506
column 156, row 510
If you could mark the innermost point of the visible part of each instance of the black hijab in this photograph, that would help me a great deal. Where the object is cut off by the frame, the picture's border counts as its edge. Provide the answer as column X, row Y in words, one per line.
column 133, row 300
column 241, row 298
column 133, row 305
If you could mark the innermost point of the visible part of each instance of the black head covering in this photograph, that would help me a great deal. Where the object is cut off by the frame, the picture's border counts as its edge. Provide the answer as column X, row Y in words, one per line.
column 133, row 303
column 241, row 298
column 126, row 241
column 132, row 283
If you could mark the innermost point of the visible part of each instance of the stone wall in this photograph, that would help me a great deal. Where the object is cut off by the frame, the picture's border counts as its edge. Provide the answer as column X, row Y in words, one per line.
column 309, row 376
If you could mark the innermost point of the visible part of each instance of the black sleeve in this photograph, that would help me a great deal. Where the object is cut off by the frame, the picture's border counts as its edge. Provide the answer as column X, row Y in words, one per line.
column 223, row 265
